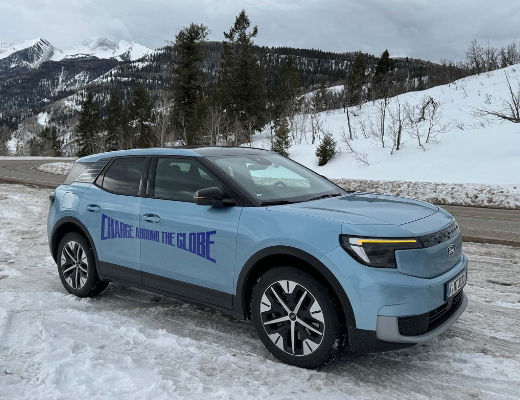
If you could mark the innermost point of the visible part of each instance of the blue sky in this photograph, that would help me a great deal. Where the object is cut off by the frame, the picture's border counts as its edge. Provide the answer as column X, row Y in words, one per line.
column 429, row 29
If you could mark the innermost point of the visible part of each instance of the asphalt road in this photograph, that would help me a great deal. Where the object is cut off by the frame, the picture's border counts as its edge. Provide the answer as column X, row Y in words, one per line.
column 485, row 225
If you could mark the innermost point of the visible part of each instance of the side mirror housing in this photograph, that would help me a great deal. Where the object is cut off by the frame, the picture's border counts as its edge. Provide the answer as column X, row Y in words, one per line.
column 212, row 196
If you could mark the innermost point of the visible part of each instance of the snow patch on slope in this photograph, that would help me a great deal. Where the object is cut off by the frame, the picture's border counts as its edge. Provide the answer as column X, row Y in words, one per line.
column 43, row 118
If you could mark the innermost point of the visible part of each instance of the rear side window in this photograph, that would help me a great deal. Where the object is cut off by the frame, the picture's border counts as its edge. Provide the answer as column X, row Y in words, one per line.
column 85, row 172
column 124, row 176
column 77, row 170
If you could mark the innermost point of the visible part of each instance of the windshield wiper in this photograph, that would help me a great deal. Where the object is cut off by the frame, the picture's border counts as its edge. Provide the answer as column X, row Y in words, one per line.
column 275, row 202
column 325, row 196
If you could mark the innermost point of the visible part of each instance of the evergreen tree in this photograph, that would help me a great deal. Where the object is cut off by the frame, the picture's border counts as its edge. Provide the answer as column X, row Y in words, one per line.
column 385, row 64
column 51, row 144
column 356, row 80
column 289, row 87
column 281, row 142
column 114, row 123
column 141, row 118
column 326, row 150
column 88, row 127
column 188, row 83
column 382, row 83
column 242, row 78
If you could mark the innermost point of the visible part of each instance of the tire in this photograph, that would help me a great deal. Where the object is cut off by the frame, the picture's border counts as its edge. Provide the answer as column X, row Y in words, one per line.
column 308, row 314
column 77, row 266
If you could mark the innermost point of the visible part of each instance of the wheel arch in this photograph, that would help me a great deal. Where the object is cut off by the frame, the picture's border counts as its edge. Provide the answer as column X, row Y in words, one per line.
column 267, row 258
column 66, row 225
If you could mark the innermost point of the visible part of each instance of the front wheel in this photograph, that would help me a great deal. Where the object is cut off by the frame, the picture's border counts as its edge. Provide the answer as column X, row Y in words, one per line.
column 297, row 318
column 77, row 266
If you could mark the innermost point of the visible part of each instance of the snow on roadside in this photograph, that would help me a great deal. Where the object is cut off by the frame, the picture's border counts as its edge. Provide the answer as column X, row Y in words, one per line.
column 455, row 194
column 59, row 168
column 132, row 344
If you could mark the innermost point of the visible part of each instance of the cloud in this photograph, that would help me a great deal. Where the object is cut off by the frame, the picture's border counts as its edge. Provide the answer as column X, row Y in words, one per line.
column 416, row 28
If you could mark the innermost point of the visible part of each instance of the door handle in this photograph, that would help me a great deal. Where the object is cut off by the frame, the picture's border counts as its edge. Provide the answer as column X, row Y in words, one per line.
column 152, row 218
column 93, row 208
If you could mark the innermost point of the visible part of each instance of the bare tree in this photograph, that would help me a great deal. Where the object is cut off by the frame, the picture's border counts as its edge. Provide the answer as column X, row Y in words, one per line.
column 382, row 106
column 397, row 121
column 358, row 156
column 475, row 57
column 510, row 108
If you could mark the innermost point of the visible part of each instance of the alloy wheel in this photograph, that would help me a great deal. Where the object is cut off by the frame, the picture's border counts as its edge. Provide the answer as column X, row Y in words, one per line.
column 74, row 265
column 292, row 318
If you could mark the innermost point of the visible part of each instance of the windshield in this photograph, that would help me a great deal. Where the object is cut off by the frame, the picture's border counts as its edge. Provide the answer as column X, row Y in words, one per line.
column 273, row 179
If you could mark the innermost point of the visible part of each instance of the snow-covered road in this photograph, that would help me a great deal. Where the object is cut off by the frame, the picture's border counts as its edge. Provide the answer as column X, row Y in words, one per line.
column 133, row 344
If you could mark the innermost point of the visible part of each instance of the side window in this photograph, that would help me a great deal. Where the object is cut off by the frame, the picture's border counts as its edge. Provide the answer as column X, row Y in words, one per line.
column 124, row 175
column 179, row 179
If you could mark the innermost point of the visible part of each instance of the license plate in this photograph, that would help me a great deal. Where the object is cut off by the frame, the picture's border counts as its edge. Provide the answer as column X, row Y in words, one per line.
column 456, row 284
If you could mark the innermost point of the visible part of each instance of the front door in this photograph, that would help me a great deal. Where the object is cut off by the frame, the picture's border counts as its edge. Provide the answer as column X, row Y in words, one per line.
column 186, row 248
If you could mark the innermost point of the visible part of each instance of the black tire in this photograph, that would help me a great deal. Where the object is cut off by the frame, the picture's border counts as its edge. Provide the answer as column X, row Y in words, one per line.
column 323, row 336
column 77, row 266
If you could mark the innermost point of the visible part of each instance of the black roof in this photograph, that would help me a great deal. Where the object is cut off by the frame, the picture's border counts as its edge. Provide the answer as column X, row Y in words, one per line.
column 208, row 151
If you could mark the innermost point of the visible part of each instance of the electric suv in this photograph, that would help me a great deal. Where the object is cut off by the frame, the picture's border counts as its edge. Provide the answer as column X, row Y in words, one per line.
column 249, row 232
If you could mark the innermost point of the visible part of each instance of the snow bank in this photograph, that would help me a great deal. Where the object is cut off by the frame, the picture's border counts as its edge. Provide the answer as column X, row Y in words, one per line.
column 455, row 194
column 471, row 149
column 133, row 344
column 59, row 168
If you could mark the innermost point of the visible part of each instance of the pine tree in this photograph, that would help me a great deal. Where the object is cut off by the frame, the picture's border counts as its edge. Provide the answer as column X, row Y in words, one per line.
column 289, row 88
column 382, row 83
column 141, row 118
column 385, row 64
column 356, row 80
column 51, row 144
column 114, row 123
column 326, row 150
column 242, row 78
column 281, row 142
column 88, row 127
column 188, row 83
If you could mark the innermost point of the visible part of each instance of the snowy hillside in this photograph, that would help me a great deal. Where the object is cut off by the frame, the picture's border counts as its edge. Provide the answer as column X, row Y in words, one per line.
column 465, row 147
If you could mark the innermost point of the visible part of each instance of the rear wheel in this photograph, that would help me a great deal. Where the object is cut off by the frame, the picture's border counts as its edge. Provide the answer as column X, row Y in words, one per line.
column 296, row 317
column 77, row 266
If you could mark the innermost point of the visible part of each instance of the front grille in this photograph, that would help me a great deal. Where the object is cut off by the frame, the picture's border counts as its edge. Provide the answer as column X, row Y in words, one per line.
column 420, row 324
column 442, row 236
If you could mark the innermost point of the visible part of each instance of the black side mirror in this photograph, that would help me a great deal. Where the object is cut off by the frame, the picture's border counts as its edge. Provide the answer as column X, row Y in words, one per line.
column 212, row 196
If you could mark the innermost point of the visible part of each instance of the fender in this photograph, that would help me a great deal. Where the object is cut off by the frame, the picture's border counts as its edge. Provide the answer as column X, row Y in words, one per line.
column 53, row 245
column 240, row 305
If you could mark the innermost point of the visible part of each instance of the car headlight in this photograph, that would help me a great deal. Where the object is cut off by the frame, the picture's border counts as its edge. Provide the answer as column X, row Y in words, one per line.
column 377, row 252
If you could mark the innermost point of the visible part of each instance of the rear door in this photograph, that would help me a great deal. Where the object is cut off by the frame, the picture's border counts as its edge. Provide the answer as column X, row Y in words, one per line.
column 186, row 248
column 111, row 210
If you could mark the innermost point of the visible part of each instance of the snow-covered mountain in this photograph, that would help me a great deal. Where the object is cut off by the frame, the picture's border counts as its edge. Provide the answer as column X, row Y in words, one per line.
column 28, row 54
column 32, row 53
column 105, row 48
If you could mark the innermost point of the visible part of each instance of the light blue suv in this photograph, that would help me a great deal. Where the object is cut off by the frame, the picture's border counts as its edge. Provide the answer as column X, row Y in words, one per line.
column 252, row 233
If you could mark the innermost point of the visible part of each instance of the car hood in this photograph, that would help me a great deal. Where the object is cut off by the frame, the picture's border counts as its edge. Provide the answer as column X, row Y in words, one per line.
column 363, row 209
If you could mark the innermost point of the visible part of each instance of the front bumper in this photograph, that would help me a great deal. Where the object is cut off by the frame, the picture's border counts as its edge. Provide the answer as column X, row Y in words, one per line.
column 388, row 328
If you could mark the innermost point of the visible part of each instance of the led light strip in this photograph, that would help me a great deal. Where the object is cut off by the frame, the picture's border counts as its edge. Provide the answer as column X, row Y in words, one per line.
column 361, row 241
